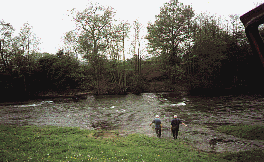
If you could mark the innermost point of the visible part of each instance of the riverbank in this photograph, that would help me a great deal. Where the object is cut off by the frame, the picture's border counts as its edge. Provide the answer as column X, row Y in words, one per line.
column 152, row 87
column 31, row 143
column 131, row 114
column 49, row 143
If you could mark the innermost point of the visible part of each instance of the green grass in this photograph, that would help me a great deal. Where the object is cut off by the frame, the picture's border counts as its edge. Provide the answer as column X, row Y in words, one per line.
column 250, row 132
column 32, row 143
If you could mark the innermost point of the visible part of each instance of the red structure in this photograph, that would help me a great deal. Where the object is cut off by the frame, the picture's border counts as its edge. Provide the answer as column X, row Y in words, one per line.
column 251, row 21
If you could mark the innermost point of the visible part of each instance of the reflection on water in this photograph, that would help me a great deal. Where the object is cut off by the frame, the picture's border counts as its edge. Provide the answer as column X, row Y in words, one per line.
column 133, row 114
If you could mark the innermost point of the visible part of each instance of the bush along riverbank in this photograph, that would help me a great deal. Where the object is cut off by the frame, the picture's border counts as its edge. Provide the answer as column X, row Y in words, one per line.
column 31, row 143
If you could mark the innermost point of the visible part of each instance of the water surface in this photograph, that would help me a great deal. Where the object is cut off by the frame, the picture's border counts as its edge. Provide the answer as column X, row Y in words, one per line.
column 133, row 114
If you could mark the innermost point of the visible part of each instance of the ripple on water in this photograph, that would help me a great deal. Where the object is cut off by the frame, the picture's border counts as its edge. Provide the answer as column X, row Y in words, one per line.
column 137, row 111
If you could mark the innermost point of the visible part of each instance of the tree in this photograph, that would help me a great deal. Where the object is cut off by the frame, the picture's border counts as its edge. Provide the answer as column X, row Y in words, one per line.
column 71, row 43
column 220, row 57
column 168, row 32
column 136, row 84
column 137, row 26
column 93, row 26
column 118, row 32
column 28, row 39
column 6, row 31
column 204, row 58
column 116, row 46
column 98, row 35
column 58, row 72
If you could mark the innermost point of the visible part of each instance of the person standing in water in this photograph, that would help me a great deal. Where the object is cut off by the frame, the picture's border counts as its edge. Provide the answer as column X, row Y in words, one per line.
column 175, row 124
column 158, row 125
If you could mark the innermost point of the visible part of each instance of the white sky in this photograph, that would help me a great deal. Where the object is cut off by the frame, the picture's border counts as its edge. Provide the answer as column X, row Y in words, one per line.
column 50, row 18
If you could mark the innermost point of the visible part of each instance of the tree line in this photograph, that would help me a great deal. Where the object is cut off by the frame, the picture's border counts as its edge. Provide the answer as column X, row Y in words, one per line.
column 199, row 53
column 207, row 54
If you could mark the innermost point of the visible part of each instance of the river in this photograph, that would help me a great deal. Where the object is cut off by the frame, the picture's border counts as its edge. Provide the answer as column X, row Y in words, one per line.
column 133, row 114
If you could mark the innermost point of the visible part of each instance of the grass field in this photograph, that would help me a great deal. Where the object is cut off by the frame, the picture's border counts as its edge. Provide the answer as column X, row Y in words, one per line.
column 32, row 143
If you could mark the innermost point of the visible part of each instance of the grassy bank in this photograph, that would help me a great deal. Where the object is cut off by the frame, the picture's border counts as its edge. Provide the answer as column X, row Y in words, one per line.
column 31, row 143
column 250, row 132
column 72, row 144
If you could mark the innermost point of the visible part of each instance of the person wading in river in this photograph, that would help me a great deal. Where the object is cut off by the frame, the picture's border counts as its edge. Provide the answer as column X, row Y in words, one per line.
column 175, row 124
column 158, row 125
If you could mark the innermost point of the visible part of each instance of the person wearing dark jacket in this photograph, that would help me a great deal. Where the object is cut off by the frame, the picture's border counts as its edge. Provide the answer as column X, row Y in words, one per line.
column 158, row 125
column 175, row 124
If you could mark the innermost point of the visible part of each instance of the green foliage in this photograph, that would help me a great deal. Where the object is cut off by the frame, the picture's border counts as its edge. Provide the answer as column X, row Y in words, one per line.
column 97, row 35
column 199, row 52
column 170, row 29
column 209, row 49
column 137, row 84
column 93, row 23
column 168, row 33
column 220, row 57
column 151, row 70
column 28, row 40
column 60, row 72
column 6, row 31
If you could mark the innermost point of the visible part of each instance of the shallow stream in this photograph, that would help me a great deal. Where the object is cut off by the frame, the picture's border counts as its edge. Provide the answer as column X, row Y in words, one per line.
column 133, row 114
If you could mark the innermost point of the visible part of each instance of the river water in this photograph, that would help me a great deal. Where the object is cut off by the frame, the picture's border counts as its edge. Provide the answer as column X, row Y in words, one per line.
column 133, row 114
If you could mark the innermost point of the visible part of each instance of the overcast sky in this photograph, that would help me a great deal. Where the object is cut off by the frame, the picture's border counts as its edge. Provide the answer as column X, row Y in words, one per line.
column 50, row 19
